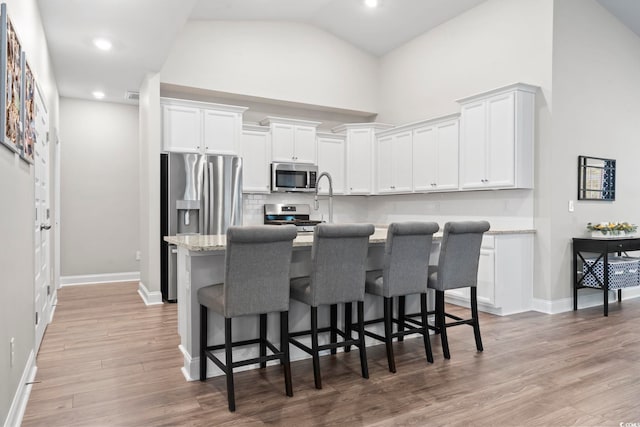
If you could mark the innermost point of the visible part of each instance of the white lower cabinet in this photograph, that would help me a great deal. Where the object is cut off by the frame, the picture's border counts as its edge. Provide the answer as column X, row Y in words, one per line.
column 255, row 149
column 505, row 275
column 331, row 159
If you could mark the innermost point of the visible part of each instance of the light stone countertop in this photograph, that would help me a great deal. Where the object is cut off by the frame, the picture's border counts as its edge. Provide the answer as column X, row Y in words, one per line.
column 200, row 243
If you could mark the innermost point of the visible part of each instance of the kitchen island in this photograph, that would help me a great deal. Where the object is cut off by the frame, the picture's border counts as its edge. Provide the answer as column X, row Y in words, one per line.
column 201, row 263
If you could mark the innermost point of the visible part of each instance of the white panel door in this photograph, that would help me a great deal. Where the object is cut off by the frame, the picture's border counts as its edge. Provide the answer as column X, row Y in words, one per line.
column 501, row 140
column 402, row 153
column 221, row 131
column 359, row 161
column 283, row 142
column 384, row 171
column 305, row 144
column 473, row 145
column 256, row 153
column 425, row 159
column 331, row 158
column 182, row 129
column 447, row 152
column 42, row 222
column 486, row 276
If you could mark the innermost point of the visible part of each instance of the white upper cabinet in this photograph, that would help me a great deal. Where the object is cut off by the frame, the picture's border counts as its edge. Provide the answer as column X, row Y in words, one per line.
column 496, row 138
column 360, row 160
column 255, row 149
column 292, row 141
column 200, row 127
column 435, row 155
column 182, row 128
column 394, row 166
column 331, row 159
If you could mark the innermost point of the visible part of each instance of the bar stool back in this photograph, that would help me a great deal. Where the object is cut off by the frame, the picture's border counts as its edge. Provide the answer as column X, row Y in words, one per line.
column 257, row 264
column 458, row 268
column 338, row 264
column 405, row 272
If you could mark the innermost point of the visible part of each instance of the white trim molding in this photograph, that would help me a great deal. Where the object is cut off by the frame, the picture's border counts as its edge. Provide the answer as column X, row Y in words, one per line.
column 149, row 298
column 20, row 399
column 585, row 300
column 92, row 279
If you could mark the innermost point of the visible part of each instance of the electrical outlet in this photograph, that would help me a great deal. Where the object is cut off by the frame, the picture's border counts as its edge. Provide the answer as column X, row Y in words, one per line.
column 137, row 255
column 571, row 207
column 12, row 345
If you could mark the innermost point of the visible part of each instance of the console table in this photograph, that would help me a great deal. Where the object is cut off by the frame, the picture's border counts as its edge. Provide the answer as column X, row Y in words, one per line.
column 601, row 247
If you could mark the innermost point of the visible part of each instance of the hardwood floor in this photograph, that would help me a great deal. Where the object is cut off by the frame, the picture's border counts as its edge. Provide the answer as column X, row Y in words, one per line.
column 107, row 360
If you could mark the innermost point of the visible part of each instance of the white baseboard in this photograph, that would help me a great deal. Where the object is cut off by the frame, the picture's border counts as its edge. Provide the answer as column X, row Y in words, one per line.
column 92, row 279
column 585, row 300
column 20, row 399
column 149, row 298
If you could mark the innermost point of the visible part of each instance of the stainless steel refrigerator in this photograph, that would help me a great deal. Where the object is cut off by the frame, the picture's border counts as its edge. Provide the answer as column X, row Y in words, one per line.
column 199, row 194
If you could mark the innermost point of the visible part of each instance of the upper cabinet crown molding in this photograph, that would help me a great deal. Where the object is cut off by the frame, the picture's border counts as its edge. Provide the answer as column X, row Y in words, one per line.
column 376, row 127
column 418, row 124
column 269, row 120
column 524, row 87
column 254, row 127
column 200, row 104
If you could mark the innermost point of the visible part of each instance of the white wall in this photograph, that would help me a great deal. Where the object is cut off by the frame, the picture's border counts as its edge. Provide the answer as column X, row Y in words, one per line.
column 494, row 44
column 99, row 187
column 596, row 98
column 149, row 182
column 16, row 222
column 497, row 43
column 275, row 60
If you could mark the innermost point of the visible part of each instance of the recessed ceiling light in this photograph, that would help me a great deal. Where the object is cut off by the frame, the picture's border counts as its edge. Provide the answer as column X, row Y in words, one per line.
column 102, row 43
column 97, row 94
column 371, row 3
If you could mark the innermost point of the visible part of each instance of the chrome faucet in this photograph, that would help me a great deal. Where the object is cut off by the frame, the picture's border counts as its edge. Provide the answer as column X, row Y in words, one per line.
column 316, row 204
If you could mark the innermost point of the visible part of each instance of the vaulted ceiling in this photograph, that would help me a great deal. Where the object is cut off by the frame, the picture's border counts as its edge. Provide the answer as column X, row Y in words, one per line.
column 142, row 31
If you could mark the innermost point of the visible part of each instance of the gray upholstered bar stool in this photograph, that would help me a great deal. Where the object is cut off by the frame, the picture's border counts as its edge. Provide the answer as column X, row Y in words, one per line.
column 458, row 268
column 338, row 266
column 256, row 281
column 405, row 272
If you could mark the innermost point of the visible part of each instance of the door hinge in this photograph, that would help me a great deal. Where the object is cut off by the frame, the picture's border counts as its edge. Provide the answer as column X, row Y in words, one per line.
column 48, row 290
column 47, row 213
column 36, row 318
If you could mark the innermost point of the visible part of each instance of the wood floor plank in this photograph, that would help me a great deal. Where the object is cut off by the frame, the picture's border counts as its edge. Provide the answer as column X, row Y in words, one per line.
column 109, row 360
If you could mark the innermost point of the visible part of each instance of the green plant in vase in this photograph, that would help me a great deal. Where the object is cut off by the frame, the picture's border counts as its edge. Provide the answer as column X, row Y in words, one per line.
column 613, row 228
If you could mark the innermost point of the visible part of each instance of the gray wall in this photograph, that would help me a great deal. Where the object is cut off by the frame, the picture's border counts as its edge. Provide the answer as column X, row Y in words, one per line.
column 16, row 220
column 99, row 187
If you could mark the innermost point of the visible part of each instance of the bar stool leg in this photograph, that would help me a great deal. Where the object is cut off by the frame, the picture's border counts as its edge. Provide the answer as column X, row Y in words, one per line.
column 333, row 335
column 361, row 345
column 442, row 323
column 401, row 308
column 348, row 318
column 229, row 361
column 263, row 338
column 314, row 347
column 425, row 327
column 474, row 314
column 388, row 333
column 203, row 343
column 284, row 348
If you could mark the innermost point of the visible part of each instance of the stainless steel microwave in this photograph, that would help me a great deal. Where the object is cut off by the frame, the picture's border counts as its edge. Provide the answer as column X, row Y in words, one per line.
column 293, row 177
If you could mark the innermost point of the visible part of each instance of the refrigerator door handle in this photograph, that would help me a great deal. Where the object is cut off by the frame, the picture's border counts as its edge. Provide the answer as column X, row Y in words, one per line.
column 205, row 193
